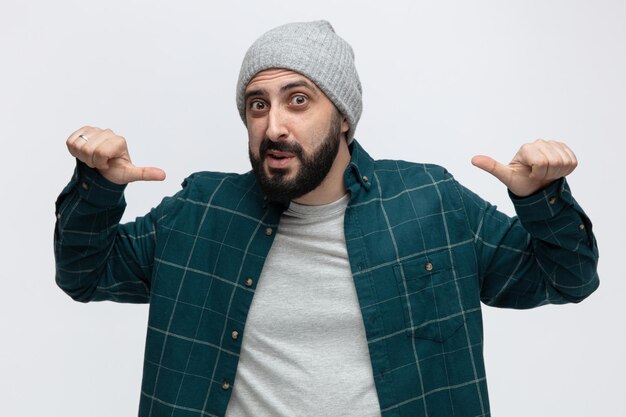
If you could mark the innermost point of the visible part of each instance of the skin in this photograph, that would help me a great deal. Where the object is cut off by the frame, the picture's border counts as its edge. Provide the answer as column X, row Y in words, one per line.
column 108, row 153
column 282, row 105
column 535, row 166
column 285, row 106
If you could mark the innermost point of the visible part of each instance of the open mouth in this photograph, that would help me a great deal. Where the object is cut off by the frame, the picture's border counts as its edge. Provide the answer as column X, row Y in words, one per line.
column 278, row 159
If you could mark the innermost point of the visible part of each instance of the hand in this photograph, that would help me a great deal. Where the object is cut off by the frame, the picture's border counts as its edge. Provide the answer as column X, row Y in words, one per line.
column 535, row 166
column 108, row 153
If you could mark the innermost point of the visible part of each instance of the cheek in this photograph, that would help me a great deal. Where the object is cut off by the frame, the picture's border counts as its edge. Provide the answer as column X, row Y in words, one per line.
column 253, row 149
column 255, row 137
column 316, row 136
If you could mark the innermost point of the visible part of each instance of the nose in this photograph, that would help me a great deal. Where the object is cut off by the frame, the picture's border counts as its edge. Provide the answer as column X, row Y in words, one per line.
column 276, row 125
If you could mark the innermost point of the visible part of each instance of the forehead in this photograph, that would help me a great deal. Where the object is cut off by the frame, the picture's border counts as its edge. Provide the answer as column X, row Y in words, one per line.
column 278, row 77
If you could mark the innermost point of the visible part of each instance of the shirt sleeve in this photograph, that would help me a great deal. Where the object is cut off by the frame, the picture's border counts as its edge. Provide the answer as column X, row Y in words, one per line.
column 547, row 254
column 96, row 257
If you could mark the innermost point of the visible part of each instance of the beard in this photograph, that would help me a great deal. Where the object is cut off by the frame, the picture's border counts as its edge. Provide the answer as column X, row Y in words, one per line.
column 313, row 168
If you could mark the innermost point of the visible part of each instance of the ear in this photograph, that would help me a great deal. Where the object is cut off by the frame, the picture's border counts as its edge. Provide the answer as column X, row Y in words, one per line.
column 345, row 126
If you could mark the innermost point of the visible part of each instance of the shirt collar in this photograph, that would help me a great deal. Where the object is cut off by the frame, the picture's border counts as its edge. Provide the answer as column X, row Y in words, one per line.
column 359, row 173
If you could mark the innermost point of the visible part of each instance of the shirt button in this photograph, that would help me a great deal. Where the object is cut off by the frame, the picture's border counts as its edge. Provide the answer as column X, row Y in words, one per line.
column 234, row 335
column 84, row 185
column 428, row 266
column 365, row 179
column 581, row 227
column 225, row 385
column 59, row 216
column 552, row 200
column 269, row 231
column 249, row 282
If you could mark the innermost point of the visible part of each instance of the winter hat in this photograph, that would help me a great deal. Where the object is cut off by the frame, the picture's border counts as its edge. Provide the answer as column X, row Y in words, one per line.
column 314, row 50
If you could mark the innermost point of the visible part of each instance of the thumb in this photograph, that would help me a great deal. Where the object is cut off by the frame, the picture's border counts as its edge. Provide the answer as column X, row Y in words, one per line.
column 134, row 173
column 495, row 168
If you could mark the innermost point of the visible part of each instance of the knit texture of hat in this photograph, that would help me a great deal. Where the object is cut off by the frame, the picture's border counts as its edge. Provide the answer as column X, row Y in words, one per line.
column 314, row 50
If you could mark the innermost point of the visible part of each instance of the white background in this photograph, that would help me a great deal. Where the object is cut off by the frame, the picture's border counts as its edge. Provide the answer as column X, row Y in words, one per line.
column 442, row 81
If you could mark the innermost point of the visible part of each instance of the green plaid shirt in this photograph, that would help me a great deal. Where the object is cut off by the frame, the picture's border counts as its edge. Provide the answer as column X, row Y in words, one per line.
column 424, row 252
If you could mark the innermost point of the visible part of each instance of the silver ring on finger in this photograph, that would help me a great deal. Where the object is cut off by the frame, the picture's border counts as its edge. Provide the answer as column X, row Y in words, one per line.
column 83, row 137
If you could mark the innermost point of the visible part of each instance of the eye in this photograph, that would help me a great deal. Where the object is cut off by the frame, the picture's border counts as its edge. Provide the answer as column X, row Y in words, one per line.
column 257, row 105
column 299, row 99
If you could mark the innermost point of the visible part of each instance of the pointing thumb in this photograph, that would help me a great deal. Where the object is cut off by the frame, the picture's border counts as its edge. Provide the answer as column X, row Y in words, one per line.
column 492, row 166
column 145, row 174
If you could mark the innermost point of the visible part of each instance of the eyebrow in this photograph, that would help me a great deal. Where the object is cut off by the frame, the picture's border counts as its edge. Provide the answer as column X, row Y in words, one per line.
column 299, row 83
column 254, row 93
column 296, row 84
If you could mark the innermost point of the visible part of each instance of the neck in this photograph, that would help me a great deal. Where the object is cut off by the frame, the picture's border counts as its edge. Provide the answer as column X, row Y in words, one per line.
column 332, row 188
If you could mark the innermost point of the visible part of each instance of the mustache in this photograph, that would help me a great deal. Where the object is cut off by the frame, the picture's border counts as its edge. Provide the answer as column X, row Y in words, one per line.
column 281, row 146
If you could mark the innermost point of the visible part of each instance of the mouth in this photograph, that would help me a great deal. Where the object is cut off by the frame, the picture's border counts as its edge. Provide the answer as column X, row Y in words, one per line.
column 278, row 159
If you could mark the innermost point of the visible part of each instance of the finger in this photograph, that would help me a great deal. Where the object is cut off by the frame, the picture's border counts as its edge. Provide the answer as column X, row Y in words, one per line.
column 91, row 150
column 85, row 131
column 571, row 153
column 570, row 162
column 564, row 166
column 134, row 173
column 77, row 140
column 549, row 160
column 538, row 163
column 538, row 158
column 539, row 170
column 495, row 168
column 71, row 138
column 107, row 147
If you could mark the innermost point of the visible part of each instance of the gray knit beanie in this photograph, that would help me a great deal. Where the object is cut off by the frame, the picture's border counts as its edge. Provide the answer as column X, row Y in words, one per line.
column 314, row 50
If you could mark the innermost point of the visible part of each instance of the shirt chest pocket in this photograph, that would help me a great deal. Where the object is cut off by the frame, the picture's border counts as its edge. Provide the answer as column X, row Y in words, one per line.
column 430, row 298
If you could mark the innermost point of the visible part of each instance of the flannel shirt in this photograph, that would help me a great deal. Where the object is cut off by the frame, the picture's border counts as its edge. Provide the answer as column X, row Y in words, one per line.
column 424, row 252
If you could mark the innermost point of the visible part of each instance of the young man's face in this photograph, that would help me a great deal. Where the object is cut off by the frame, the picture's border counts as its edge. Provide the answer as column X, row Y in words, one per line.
column 294, row 132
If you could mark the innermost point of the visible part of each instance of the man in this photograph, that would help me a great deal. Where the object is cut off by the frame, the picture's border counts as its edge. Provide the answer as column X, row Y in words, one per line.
column 322, row 283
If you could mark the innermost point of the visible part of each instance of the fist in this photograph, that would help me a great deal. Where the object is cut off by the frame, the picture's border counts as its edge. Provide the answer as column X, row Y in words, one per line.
column 107, row 152
column 535, row 166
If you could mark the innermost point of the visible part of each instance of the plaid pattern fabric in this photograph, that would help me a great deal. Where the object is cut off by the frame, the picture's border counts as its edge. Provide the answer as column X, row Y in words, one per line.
column 424, row 252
